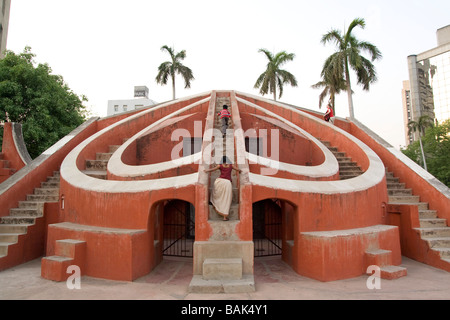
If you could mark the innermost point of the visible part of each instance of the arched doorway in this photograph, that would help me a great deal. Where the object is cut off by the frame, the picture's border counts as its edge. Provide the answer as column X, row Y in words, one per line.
column 267, row 228
column 178, row 228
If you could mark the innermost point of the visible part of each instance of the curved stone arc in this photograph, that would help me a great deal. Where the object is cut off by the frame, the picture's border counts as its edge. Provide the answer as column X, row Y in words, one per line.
column 19, row 143
column 73, row 175
column 117, row 167
column 371, row 177
column 328, row 168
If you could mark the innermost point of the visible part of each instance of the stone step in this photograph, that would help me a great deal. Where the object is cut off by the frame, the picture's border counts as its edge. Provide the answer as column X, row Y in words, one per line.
column 26, row 212
column 103, row 156
column 431, row 223
column 113, row 148
column 9, row 237
column 53, row 179
column 349, row 167
column 47, row 191
column 233, row 213
column 13, row 228
column 344, row 176
column 392, row 180
column 200, row 285
column 435, row 232
column 350, row 171
column 339, row 154
column 344, row 159
column 438, row 242
column 379, row 257
column 348, row 164
column 395, row 185
column 326, row 143
column 443, row 252
column 392, row 272
column 421, row 205
column 50, row 184
column 427, row 214
column 96, row 165
column 15, row 220
column 404, row 199
column 332, row 149
column 96, row 174
column 400, row 192
column 31, row 204
column 222, row 269
column 58, row 258
column 43, row 197
column 4, row 248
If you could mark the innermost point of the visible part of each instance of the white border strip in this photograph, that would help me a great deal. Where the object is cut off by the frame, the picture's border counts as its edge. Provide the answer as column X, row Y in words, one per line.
column 71, row 173
column 373, row 175
column 118, row 168
column 328, row 168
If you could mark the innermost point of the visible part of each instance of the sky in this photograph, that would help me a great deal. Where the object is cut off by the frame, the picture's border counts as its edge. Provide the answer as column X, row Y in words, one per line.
column 103, row 48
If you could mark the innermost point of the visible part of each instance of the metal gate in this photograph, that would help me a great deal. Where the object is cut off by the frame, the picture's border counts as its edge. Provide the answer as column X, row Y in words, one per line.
column 267, row 232
column 179, row 229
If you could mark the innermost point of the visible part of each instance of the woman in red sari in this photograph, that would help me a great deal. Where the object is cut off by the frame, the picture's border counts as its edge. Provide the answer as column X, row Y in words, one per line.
column 222, row 193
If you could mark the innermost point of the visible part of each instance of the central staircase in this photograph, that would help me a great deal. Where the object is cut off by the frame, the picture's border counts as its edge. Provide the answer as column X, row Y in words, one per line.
column 223, row 272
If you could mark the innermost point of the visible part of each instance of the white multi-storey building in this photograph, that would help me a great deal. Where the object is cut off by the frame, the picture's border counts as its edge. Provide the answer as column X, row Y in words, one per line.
column 429, row 83
column 140, row 100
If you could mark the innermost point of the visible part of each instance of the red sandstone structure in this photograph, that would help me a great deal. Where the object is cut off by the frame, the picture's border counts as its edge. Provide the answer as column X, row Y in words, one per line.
column 119, row 193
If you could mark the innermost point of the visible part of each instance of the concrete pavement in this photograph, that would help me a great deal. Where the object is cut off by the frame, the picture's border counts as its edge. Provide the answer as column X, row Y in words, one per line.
column 274, row 280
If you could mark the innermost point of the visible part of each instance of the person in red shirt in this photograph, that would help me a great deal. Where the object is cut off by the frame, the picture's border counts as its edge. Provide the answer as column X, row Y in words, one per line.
column 329, row 115
column 224, row 115
column 222, row 193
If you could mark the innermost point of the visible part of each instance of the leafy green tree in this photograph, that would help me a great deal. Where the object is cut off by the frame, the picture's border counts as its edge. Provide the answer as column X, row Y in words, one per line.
column 42, row 102
column 348, row 55
column 421, row 125
column 436, row 145
column 274, row 77
column 171, row 68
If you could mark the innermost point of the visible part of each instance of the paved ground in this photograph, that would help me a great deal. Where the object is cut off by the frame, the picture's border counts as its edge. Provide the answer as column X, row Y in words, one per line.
column 274, row 280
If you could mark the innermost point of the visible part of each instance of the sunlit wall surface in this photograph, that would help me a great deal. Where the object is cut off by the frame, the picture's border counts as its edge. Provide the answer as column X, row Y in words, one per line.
column 440, row 84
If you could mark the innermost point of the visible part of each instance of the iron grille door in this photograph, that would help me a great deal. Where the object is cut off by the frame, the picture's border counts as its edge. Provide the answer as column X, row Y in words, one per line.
column 179, row 229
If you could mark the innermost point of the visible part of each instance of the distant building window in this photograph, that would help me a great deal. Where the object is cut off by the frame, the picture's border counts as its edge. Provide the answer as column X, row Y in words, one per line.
column 116, row 108
column 125, row 107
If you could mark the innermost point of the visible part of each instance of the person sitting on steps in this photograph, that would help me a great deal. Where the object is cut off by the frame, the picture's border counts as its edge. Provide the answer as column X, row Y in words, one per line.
column 222, row 192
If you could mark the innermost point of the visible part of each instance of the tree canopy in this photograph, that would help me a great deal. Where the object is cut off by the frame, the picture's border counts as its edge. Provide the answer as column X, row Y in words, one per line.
column 171, row 68
column 348, row 56
column 274, row 77
column 42, row 102
column 436, row 147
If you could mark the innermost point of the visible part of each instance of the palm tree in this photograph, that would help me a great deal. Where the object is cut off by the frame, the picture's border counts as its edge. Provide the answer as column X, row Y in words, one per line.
column 331, row 84
column 420, row 126
column 170, row 68
column 348, row 55
column 274, row 77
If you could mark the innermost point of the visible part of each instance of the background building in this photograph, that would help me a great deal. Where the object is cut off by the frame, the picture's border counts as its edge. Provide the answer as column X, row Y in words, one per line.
column 140, row 100
column 429, row 83
column 4, row 23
